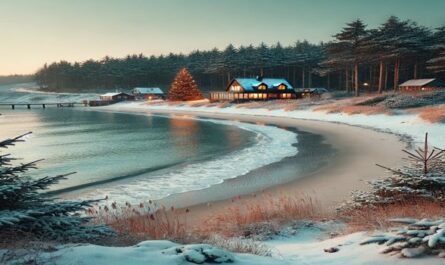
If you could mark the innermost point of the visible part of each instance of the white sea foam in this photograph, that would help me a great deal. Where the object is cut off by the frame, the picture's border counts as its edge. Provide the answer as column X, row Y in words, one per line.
column 272, row 145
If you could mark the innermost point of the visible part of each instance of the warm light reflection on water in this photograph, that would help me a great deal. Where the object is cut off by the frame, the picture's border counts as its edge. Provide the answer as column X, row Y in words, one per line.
column 184, row 133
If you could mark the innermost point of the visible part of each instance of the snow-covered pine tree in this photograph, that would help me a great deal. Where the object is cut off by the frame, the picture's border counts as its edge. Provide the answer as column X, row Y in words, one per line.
column 423, row 177
column 25, row 207
column 184, row 88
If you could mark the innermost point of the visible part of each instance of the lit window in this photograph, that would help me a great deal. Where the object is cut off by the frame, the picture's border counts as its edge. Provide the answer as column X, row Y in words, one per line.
column 262, row 87
column 282, row 87
column 235, row 88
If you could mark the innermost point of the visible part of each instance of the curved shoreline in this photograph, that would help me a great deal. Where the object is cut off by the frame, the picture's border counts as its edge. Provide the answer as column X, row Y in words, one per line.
column 270, row 145
column 357, row 151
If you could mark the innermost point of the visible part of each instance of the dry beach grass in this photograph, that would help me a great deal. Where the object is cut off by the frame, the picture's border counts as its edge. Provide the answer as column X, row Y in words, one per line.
column 377, row 218
column 144, row 222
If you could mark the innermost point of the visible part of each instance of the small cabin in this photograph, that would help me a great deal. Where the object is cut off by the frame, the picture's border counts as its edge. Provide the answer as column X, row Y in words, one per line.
column 117, row 96
column 312, row 92
column 416, row 85
column 255, row 89
column 148, row 93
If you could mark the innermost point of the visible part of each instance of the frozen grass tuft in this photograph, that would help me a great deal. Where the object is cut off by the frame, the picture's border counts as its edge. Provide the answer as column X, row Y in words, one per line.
column 377, row 218
column 238, row 219
column 143, row 221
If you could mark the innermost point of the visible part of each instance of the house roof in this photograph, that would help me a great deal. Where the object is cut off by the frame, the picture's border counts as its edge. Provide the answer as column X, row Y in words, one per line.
column 148, row 90
column 111, row 94
column 418, row 82
column 251, row 84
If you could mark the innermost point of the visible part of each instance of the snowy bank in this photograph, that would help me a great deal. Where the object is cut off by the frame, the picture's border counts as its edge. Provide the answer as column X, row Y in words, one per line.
column 294, row 250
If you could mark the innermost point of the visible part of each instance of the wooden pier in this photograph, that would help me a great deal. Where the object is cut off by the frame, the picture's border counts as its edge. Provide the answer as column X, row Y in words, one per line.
column 44, row 105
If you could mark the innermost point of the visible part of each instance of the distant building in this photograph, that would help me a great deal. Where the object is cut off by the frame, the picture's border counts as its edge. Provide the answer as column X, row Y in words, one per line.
column 117, row 96
column 310, row 92
column 148, row 93
column 415, row 85
column 255, row 89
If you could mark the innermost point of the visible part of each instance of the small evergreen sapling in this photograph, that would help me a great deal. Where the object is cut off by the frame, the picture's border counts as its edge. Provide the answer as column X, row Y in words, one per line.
column 26, row 207
column 422, row 177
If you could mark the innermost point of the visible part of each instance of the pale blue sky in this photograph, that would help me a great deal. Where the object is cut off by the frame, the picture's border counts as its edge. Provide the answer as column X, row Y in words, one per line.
column 37, row 31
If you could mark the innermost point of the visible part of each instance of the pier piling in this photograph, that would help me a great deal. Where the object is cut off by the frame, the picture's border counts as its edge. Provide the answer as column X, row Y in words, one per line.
column 44, row 105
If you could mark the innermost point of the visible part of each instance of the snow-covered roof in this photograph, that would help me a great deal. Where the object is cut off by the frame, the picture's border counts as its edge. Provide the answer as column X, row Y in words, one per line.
column 418, row 82
column 110, row 94
column 251, row 84
column 147, row 90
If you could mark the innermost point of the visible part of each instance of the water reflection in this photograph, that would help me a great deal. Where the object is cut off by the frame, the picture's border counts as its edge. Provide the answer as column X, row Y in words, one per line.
column 185, row 133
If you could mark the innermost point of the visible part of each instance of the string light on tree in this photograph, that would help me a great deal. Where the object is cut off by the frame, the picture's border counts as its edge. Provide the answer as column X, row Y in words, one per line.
column 184, row 88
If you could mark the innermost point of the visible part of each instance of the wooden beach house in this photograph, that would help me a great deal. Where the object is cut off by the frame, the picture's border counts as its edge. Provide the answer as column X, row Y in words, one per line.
column 117, row 96
column 148, row 93
column 416, row 85
column 241, row 89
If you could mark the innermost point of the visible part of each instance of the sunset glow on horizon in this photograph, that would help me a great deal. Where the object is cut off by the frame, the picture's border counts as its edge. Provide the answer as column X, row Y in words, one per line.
column 35, row 32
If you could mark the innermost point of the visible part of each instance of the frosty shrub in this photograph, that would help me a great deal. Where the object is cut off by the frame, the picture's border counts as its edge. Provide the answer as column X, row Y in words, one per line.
column 240, row 245
column 417, row 238
column 403, row 101
column 423, row 177
column 25, row 207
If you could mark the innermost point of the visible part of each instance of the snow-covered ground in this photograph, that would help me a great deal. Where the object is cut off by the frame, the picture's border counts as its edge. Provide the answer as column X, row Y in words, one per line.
column 404, row 124
column 302, row 248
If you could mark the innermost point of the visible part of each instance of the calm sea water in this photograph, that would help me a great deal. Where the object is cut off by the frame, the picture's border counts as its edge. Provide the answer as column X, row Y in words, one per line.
column 131, row 157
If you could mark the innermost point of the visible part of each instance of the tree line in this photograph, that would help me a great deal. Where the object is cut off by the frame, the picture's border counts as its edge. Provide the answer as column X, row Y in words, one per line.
column 357, row 59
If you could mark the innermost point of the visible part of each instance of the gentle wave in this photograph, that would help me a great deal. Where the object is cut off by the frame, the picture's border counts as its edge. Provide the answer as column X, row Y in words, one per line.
column 272, row 145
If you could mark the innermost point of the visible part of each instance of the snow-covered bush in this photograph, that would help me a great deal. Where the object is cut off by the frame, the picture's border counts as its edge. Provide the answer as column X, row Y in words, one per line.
column 403, row 101
column 240, row 245
column 26, row 208
column 417, row 238
column 201, row 253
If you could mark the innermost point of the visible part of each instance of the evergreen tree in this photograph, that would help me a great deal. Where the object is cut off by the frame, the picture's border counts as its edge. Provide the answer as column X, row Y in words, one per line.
column 423, row 177
column 25, row 207
column 184, row 88
column 437, row 63
column 352, row 39
column 398, row 39
column 263, row 57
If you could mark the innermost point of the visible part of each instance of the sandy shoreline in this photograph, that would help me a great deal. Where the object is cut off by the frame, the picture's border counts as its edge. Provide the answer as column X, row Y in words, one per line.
column 357, row 151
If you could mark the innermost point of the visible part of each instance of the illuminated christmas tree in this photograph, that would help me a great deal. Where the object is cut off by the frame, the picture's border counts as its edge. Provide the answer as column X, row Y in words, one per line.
column 184, row 88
